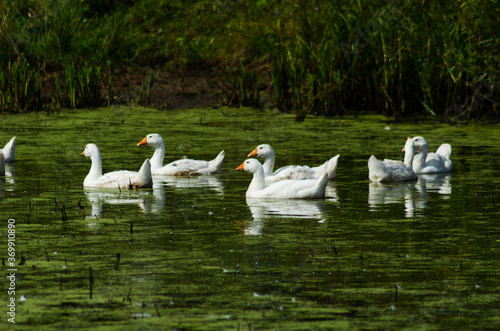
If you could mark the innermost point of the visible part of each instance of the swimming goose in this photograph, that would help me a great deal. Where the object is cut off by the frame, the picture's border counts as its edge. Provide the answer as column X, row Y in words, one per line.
column 180, row 167
column 283, row 189
column 292, row 171
column 393, row 171
column 9, row 151
column 115, row 179
column 431, row 163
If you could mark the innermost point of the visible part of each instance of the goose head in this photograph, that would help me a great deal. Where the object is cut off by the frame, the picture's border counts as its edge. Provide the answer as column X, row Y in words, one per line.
column 250, row 165
column 152, row 140
column 263, row 150
column 90, row 150
column 420, row 144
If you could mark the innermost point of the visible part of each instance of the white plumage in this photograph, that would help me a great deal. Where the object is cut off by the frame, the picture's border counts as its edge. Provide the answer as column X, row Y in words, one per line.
column 182, row 166
column 9, row 151
column 266, row 152
column 115, row 179
column 283, row 189
column 391, row 170
column 431, row 163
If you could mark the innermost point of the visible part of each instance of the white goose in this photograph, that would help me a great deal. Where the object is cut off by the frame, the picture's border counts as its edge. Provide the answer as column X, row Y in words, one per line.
column 116, row 179
column 292, row 171
column 9, row 151
column 393, row 171
column 180, row 167
column 284, row 189
column 431, row 163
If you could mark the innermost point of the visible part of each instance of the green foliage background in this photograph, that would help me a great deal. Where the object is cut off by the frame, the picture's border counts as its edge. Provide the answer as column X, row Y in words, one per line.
column 328, row 58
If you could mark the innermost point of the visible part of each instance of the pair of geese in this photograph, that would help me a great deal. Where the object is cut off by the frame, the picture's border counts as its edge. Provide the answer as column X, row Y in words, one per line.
column 143, row 178
column 265, row 184
column 422, row 163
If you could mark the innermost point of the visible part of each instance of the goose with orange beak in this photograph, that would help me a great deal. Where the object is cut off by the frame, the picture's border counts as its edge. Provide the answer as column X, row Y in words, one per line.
column 283, row 189
column 266, row 152
column 182, row 166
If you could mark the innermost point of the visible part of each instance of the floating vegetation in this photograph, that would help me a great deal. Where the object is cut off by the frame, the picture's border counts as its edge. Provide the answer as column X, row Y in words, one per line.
column 194, row 254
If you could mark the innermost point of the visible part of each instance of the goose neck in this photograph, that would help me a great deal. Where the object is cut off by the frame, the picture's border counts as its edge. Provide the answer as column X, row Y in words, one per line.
column 268, row 164
column 409, row 154
column 258, row 181
column 419, row 160
column 95, row 169
column 158, row 156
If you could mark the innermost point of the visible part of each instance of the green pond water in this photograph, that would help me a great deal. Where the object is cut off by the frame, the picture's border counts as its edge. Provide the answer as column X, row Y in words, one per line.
column 193, row 254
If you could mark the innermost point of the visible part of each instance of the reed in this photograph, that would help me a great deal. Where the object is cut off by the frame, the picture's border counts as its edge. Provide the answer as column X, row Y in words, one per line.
column 20, row 89
column 80, row 87
column 244, row 89
column 145, row 91
column 396, row 58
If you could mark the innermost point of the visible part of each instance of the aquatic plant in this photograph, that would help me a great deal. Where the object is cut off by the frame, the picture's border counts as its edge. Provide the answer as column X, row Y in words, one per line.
column 398, row 59
column 146, row 86
column 20, row 88
column 244, row 89
column 80, row 87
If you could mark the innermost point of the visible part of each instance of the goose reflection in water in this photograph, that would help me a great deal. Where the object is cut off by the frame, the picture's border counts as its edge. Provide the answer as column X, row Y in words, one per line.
column 209, row 181
column 331, row 192
column 284, row 208
column 10, row 173
column 414, row 195
column 150, row 201
column 7, row 180
column 146, row 200
column 440, row 183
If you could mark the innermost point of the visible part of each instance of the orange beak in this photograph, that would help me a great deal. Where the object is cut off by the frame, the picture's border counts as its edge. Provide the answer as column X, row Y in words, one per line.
column 253, row 153
column 143, row 141
column 403, row 147
column 82, row 153
column 241, row 166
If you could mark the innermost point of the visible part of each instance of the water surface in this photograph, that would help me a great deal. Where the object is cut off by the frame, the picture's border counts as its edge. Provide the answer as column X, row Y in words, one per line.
column 194, row 253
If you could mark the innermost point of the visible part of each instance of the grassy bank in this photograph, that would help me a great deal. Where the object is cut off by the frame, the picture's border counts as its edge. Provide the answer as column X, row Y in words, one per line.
column 395, row 58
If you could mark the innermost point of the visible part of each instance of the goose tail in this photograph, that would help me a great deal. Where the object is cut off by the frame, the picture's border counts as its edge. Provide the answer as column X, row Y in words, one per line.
column 215, row 165
column 331, row 168
column 9, row 150
column 444, row 150
column 376, row 170
column 143, row 179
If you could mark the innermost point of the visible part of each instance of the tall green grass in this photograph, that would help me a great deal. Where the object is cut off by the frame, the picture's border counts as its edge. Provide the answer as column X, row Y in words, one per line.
column 400, row 59
column 80, row 87
column 20, row 89
column 244, row 87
